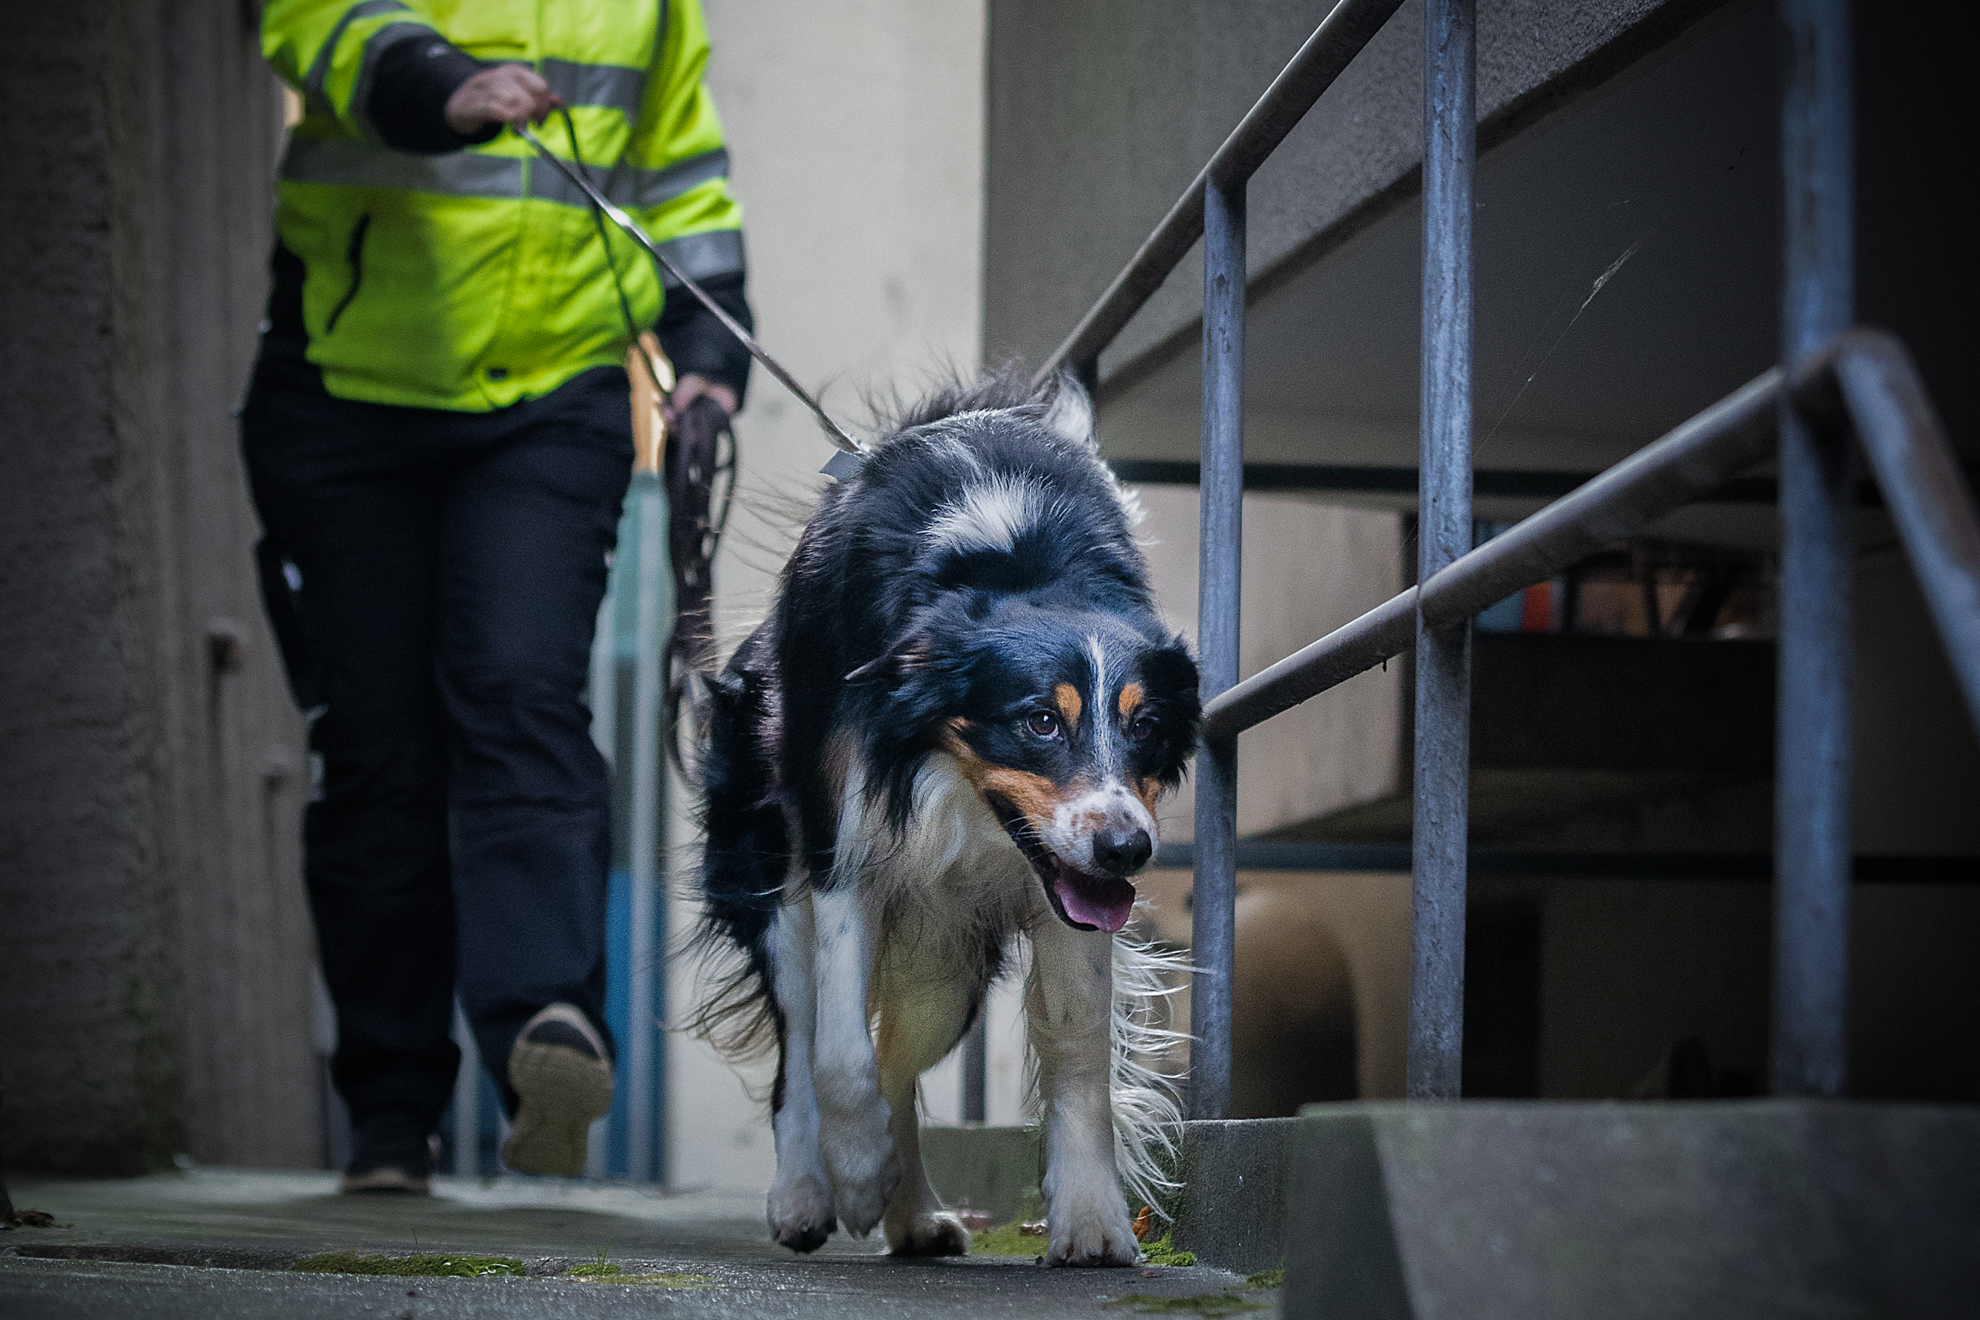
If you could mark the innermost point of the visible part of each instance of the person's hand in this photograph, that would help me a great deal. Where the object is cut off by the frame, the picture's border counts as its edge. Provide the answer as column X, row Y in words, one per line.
column 692, row 387
column 506, row 94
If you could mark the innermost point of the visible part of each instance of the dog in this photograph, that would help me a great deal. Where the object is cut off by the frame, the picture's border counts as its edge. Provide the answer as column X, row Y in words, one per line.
column 950, row 734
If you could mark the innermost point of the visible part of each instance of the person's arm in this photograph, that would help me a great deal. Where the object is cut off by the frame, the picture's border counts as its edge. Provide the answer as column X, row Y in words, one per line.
column 381, row 68
column 706, row 357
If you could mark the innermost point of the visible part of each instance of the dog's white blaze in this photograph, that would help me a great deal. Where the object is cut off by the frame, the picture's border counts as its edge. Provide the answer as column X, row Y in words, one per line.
column 1103, row 727
column 987, row 516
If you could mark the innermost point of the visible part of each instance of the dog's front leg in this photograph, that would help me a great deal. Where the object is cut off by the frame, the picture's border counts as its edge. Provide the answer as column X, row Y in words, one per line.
column 799, row 1206
column 852, row 1127
column 1069, row 1005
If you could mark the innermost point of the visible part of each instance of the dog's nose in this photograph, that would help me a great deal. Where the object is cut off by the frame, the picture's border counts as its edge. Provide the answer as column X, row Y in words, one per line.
column 1121, row 852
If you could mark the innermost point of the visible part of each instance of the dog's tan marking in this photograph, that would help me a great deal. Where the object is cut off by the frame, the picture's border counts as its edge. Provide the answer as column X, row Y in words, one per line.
column 1034, row 795
column 1067, row 697
column 1148, row 788
column 1131, row 699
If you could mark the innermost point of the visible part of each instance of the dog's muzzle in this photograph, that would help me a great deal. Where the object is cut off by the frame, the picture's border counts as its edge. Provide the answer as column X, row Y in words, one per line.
column 1101, row 899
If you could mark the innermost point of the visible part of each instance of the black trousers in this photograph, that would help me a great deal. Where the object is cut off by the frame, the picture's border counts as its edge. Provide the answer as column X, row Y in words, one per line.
column 450, row 570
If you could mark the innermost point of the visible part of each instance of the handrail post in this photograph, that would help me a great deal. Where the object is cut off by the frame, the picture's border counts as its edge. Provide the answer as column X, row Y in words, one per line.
column 976, row 1066
column 1213, row 917
column 1443, row 655
column 1812, row 760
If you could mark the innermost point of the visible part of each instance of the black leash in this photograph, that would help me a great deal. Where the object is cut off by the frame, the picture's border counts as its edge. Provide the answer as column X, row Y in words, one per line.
column 692, row 463
column 833, row 431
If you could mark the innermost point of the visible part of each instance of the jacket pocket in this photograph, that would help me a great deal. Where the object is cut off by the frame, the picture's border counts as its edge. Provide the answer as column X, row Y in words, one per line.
column 354, row 255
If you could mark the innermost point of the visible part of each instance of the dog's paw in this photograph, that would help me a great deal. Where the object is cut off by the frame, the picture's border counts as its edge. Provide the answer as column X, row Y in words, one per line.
column 1091, row 1230
column 859, row 1156
column 800, row 1213
column 929, row 1233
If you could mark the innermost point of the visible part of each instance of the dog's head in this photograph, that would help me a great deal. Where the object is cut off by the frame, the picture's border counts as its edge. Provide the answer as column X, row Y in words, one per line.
column 1069, row 724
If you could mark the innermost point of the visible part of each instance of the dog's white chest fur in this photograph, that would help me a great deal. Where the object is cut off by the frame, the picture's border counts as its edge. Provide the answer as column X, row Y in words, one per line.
column 955, row 878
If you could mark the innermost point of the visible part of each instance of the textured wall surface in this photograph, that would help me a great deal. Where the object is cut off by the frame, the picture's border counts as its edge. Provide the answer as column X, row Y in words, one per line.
column 154, row 955
column 1101, row 114
column 86, row 862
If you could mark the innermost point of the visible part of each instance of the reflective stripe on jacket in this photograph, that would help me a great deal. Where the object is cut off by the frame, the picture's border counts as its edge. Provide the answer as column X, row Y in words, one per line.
column 475, row 278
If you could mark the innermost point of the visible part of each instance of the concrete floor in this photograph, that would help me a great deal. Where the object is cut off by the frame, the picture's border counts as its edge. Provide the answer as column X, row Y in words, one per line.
column 217, row 1244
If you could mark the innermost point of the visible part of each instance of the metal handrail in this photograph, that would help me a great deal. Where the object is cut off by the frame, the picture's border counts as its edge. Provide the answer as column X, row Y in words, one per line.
column 1682, row 467
column 1347, row 28
column 1871, row 375
column 1865, row 372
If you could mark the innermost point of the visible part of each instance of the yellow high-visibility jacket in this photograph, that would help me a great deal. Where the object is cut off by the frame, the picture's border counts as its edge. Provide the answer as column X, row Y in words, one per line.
column 474, row 278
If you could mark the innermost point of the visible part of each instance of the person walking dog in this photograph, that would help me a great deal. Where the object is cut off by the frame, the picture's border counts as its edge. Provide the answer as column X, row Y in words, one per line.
column 438, row 439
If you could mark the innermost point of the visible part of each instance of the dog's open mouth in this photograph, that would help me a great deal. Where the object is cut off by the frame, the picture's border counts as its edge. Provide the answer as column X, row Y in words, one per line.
column 1090, row 902
column 1083, row 901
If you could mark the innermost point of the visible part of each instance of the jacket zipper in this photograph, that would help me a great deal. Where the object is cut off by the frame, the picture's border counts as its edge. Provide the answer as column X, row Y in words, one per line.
column 354, row 255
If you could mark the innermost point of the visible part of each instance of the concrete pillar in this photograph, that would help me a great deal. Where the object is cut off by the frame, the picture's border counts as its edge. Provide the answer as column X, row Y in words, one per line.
column 154, row 947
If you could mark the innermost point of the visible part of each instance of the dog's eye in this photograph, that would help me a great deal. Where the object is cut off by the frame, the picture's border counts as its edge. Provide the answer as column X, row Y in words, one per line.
column 1141, row 728
column 1042, row 723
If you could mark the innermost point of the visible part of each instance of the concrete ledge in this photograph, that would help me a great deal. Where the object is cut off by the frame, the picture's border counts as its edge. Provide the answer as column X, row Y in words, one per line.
column 1529, row 1210
column 1231, row 1210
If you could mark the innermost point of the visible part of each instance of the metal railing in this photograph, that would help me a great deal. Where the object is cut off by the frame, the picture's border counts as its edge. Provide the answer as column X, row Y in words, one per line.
column 1843, row 380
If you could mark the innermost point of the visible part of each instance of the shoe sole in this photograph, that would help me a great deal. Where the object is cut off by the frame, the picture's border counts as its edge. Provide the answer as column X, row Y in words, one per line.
column 386, row 1181
column 561, row 1092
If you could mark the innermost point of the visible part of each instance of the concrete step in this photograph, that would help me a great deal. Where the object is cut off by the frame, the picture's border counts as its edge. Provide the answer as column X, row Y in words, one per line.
column 1534, row 1210
column 1556, row 1210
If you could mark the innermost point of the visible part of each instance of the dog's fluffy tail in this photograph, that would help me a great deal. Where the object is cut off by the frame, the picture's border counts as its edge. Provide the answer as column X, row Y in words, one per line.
column 1147, row 1116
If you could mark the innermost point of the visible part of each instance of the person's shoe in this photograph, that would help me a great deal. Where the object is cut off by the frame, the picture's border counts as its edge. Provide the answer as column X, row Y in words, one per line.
column 388, row 1155
column 563, row 1079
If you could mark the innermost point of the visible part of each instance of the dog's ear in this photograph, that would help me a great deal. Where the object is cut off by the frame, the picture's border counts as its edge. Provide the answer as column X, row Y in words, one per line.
column 907, row 696
column 1173, row 681
column 1171, row 671
column 893, row 666
column 1069, row 413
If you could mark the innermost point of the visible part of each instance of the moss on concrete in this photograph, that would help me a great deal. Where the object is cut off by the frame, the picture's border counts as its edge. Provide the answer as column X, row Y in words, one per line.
column 1162, row 1251
column 1011, row 1240
column 1007, row 1240
column 658, row 1279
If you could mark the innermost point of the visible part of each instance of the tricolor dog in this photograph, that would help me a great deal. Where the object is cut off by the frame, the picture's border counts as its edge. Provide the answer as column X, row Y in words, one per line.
column 950, row 735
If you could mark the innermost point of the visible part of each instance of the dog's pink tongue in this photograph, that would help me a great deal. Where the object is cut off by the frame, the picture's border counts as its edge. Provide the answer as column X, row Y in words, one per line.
column 1094, row 900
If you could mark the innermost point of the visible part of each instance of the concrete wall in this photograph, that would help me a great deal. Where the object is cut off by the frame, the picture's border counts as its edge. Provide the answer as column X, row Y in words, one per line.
column 154, row 954
column 857, row 134
column 1101, row 114
column 1308, row 569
